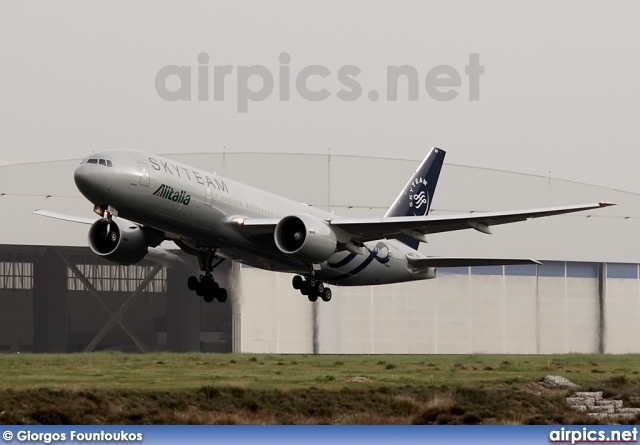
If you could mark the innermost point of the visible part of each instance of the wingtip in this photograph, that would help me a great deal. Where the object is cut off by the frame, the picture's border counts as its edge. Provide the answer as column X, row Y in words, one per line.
column 606, row 204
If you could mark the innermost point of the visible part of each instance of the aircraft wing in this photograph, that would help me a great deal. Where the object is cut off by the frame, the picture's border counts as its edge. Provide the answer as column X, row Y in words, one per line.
column 369, row 229
column 362, row 229
column 76, row 219
column 433, row 261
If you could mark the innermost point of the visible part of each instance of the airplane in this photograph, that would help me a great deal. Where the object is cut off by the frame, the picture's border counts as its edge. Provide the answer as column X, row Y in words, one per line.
column 143, row 199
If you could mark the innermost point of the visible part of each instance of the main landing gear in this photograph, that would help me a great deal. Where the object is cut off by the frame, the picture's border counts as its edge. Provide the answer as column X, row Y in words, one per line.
column 206, row 287
column 312, row 288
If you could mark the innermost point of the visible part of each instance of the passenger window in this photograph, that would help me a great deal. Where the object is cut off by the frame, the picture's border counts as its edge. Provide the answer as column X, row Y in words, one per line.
column 109, row 164
column 92, row 161
column 101, row 161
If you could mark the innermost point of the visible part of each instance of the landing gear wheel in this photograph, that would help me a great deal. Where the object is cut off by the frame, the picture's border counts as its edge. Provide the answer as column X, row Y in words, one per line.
column 311, row 287
column 207, row 289
column 297, row 282
column 211, row 287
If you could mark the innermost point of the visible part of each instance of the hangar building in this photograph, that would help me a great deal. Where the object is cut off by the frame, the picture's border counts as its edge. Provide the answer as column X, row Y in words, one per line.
column 55, row 295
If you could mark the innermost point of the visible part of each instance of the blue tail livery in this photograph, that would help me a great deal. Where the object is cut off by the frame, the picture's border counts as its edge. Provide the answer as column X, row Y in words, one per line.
column 416, row 197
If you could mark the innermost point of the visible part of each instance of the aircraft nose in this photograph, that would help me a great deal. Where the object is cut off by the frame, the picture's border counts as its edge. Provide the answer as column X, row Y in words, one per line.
column 88, row 181
column 80, row 177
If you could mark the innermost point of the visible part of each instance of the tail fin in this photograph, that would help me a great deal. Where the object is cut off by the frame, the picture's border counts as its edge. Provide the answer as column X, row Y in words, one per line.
column 415, row 198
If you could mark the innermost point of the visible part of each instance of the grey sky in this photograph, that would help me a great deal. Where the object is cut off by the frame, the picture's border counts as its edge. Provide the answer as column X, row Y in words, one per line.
column 560, row 91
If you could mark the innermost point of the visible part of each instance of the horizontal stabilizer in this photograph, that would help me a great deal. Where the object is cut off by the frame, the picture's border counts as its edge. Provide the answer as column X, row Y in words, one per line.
column 434, row 261
column 75, row 219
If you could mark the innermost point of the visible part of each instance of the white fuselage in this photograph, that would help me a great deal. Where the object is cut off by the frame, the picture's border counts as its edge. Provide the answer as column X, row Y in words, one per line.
column 199, row 207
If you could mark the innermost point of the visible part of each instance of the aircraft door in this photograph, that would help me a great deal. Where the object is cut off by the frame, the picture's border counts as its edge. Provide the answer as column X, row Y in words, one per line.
column 144, row 174
column 208, row 197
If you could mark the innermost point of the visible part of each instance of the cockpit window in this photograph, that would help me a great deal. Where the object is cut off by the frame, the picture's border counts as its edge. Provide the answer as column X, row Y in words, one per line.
column 105, row 162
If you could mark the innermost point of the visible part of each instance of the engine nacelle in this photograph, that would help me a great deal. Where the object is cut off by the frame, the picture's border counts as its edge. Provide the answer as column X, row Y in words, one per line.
column 124, row 243
column 306, row 238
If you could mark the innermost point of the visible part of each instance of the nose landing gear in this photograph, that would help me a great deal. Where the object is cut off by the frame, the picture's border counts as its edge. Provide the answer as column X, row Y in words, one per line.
column 107, row 213
column 312, row 288
column 206, row 286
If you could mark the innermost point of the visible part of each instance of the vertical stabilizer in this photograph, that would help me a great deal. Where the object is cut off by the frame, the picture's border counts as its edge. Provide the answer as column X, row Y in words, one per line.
column 416, row 197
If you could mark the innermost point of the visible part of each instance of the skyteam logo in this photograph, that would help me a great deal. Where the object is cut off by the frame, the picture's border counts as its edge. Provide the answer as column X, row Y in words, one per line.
column 419, row 197
column 167, row 192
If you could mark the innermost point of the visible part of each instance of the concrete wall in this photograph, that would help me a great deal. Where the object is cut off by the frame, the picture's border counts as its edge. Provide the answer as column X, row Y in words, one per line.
column 453, row 314
column 555, row 308
column 622, row 315
column 270, row 316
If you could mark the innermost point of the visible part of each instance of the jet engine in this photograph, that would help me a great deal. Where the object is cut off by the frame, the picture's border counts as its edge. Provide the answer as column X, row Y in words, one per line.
column 306, row 238
column 120, row 241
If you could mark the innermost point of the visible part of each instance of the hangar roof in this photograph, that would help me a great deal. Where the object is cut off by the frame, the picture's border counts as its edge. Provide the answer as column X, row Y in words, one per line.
column 361, row 186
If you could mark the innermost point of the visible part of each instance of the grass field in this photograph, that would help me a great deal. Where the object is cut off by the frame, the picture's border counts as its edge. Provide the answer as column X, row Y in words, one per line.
column 111, row 387
column 173, row 372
